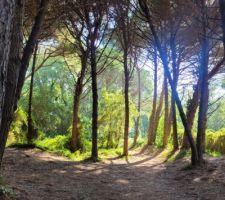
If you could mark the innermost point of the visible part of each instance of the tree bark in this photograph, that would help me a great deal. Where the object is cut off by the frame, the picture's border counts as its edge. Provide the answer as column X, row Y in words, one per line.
column 175, row 67
column 167, row 118
column 75, row 139
column 152, row 120
column 126, row 103
column 10, row 46
column 6, row 16
column 137, row 123
column 192, row 106
column 30, row 127
column 94, row 152
column 157, row 115
column 203, row 76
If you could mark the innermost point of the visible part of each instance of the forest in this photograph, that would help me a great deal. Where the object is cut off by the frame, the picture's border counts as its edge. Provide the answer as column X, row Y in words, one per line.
column 112, row 99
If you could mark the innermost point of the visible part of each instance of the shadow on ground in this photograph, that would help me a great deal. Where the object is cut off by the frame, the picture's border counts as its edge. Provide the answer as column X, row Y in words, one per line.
column 37, row 175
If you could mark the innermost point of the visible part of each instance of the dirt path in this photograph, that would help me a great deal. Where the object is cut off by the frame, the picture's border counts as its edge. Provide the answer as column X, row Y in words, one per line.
column 37, row 175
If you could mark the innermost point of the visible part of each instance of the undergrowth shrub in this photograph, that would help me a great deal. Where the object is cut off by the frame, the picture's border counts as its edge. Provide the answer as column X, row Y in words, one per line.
column 215, row 141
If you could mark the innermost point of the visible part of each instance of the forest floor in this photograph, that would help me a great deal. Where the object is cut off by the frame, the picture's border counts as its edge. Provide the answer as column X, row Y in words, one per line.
column 37, row 175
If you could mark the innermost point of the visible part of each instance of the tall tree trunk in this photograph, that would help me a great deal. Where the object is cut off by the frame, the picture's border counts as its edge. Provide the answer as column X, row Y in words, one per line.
column 10, row 46
column 137, row 122
column 167, row 118
column 175, row 66
column 6, row 16
column 75, row 139
column 126, row 101
column 152, row 120
column 163, row 56
column 30, row 134
column 203, row 74
column 94, row 152
column 158, row 115
column 192, row 107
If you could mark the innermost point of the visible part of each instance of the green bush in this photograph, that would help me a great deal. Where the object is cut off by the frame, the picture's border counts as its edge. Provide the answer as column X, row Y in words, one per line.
column 215, row 141
column 18, row 129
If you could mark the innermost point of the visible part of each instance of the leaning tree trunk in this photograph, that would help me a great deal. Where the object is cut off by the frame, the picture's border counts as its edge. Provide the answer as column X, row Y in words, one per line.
column 152, row 120
column 192, row 107
column 137, row 122
column 75, row 139
column 126, row 103
column 10, row 33
column 30, row 127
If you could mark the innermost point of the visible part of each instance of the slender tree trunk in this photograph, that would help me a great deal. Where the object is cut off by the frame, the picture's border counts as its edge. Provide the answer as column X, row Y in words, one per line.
column 167, row 119
column 192, row 107
column 30, row 134
column 10, row 46
column 175, row 134
column 137, row 123
column 157, row 115
column 94, row 152
column 175, row 66
column 203, row 74
column 75, row 139
column 126, row 101
column 152, row 120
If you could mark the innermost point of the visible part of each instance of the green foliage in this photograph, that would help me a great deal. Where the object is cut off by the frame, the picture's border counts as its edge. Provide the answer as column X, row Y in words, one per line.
column 18, row 127
column 111, row 118
column 58, row 143
column 215, row 141
column 59, row 146
column 52, row 99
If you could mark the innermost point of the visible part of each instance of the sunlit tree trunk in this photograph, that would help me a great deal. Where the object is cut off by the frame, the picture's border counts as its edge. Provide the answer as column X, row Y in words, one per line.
column 167, row 118
column 192, row 107
column 137, row 122
column 126, row 102
column 75, row 139
column 153, row 118
column 158, row 115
